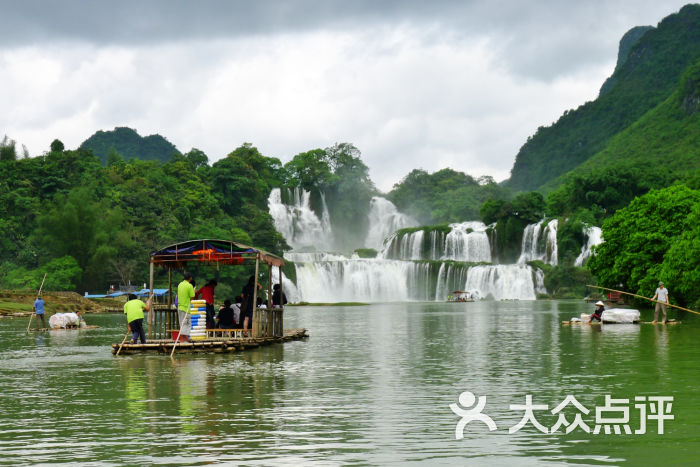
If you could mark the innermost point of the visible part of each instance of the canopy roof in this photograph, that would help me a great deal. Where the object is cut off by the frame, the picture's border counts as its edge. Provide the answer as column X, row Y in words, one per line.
column 212, row 251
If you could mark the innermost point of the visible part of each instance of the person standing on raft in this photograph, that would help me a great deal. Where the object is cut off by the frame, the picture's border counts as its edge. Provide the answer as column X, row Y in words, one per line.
column 39, row 311
column 185, row 294
column 598, row 312
column 661, row 296
column 134, row 316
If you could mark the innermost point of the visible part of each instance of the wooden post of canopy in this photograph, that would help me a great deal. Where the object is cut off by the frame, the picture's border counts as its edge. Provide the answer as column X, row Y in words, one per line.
column 280, row 330
column 269, row 312
column 151, row 314
column 255, row 296
column 168, row 316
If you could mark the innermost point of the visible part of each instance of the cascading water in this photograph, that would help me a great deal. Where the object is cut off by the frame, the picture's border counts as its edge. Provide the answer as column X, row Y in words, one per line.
column 426, row 264
column 298, row 223
column 594, row 236
column 468, row 242
column 384, row 220
column 363, row 280
column 540, row 244
column 505, row 281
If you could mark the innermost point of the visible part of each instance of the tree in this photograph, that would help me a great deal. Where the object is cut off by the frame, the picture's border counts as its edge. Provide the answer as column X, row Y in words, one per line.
column 57, row 146
column 8, row 151
column 639, row 238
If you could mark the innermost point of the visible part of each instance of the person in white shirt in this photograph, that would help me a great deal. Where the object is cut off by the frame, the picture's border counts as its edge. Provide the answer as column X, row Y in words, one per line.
column 661, row 297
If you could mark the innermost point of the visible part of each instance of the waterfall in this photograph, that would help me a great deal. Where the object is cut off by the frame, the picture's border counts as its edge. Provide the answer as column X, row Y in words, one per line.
column 425, row 264
column 594, row 236
column 363, row 280
column 540, row 244
column 298, row 223
column 451, row 277
column 505, row 281
column 405, row 247
column 379, row 280
column 384, row 220
column 468, row 242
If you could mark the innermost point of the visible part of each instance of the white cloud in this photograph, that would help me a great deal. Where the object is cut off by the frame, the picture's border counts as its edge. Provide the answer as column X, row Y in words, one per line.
column 461, row 92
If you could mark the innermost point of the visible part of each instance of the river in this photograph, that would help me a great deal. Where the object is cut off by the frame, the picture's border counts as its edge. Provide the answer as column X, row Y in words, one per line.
column 372, row 385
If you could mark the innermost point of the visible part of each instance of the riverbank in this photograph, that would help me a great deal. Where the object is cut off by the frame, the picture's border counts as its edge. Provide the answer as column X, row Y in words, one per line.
column 20, row 303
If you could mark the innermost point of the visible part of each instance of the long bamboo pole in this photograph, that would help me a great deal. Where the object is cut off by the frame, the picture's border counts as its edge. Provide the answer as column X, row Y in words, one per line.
column 122, row 344
column 641, row 296
column 182, row 325
column 37, row 296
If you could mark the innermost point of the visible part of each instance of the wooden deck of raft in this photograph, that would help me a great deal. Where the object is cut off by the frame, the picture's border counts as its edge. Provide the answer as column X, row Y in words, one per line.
column 573, row 323
column 212, row 344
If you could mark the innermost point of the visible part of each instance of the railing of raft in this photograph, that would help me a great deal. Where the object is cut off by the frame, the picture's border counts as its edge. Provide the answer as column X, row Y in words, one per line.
column 268, row 322
column 164, row 319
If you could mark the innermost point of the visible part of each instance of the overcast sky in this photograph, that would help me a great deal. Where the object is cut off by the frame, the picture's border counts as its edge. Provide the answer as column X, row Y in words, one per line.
column 413, row 84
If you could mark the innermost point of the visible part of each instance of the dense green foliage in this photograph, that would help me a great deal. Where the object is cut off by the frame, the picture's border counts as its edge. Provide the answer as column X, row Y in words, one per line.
column 511, row 218
column 366, row 252
column 127, row 143
column 647, row 76
column 659, row 148
column 564, row 280
column 443, row 196
column 90, row 226
column 651, row 240
column 443, row 228
column 338, row 174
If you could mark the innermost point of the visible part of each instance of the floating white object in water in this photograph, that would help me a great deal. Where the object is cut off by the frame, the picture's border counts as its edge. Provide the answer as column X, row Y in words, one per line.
column 620, row 315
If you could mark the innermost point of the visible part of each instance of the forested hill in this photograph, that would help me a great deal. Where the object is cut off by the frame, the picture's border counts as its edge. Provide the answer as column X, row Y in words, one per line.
column 646, row 75
column 126, row 143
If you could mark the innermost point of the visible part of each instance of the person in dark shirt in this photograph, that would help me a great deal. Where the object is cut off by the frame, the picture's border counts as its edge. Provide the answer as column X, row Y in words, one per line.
column 225, row 319
column 247, row 308
column 278, row 297
column 597, row 313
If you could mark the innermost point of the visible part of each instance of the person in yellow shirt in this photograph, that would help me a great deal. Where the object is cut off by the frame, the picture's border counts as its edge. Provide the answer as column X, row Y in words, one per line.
column 185, row 294
column 133, row 309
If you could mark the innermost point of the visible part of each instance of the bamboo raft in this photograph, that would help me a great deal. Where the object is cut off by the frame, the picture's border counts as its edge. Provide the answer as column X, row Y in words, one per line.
column 69, row 328
column 573, row 323
column 221, row 344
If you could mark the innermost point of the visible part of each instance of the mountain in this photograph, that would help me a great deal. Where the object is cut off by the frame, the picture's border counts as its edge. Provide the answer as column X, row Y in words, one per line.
column 129, row 144
column 665, row 142
column 651, row 62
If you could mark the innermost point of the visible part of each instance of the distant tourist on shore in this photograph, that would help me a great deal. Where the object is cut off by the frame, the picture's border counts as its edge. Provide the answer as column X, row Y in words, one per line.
column 661, row 295
column 38, row 309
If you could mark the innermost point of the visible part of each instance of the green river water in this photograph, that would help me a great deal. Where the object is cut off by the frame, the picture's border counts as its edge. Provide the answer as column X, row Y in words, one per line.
column 372, row 386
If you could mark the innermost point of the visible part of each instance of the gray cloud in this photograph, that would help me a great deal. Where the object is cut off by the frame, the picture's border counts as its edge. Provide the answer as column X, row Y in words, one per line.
column 539, row 39
column 412, row 83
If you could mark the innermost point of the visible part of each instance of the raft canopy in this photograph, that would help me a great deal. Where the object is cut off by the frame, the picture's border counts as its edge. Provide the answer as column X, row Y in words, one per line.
column 212, row 251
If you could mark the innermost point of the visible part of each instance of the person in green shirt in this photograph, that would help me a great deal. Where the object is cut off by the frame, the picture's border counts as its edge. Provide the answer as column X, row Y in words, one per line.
column 185, row 294
column 133, row 309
